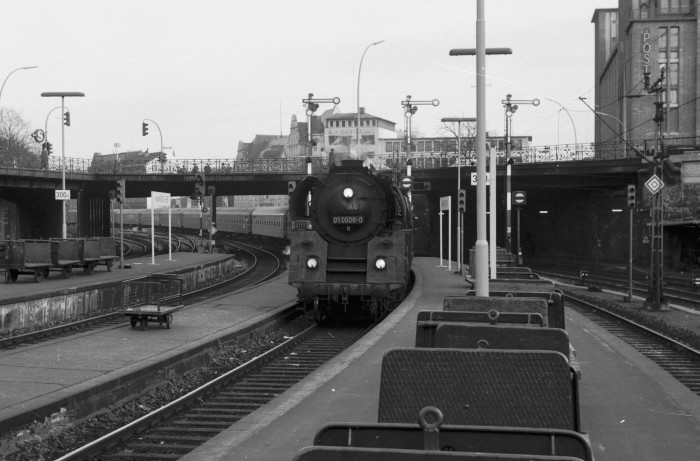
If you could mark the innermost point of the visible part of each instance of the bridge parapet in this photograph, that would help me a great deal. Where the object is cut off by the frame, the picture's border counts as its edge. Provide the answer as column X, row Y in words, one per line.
column 297, row 165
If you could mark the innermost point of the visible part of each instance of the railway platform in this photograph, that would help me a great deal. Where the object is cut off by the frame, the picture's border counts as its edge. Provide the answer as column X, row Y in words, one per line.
column 26, row 304
column 630, row 407
column 37, row 380
column 26, row 288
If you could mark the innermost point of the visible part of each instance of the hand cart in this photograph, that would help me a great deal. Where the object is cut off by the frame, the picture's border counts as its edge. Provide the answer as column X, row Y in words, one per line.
column 26, row 257
column 153, row 298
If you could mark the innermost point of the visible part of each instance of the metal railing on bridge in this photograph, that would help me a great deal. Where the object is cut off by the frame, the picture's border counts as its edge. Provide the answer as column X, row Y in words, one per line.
column 421, row 160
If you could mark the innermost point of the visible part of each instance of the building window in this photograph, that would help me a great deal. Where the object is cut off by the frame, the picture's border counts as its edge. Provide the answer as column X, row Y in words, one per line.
column 669, row 54
column 389, row 147
column 428, row 146
column 674, row 6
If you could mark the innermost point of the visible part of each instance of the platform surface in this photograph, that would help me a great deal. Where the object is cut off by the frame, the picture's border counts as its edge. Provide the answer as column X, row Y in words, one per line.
column 33, row 376
column 630, row 407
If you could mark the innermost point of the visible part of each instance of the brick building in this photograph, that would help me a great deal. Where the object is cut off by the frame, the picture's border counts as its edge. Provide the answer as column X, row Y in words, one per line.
column 633, row 43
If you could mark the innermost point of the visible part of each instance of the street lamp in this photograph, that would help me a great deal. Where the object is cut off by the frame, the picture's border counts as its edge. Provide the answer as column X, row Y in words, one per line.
column 145, row 133
column 63, row 95
column 622, row 124
column 8, row 76
column 570, row 118
column 481, row 256
column 460, row 222
column 3, row 87
column 510, row 106
column 359, row 71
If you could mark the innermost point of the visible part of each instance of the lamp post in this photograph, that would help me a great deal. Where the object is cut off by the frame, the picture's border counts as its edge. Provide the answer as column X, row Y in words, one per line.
column 8, row 76
column 510, row 106
column 570, row 118
column 161, row 140
column 3, row 87
column 63, row 95
column 622, row 124
column 481, row 256
column 460, row 222
column 359, row 70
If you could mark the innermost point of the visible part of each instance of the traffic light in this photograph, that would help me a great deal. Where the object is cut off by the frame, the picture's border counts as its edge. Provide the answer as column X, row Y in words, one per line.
column 631, row 195
column 66, row 118
column 462, row 201
column 672, row 172
column 49, row 148
column 199, row 189
column 162, row 158
column 121, row 190
column 291, row 185
column 144, row 129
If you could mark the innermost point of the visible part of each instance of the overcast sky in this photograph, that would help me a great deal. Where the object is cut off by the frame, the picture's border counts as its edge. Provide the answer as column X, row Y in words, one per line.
column 213, row 73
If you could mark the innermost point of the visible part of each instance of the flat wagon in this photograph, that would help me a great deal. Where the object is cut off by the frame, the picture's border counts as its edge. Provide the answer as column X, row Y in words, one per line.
column 153, row 298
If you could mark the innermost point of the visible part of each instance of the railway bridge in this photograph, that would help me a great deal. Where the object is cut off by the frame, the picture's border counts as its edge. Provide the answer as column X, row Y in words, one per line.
column 575, row 202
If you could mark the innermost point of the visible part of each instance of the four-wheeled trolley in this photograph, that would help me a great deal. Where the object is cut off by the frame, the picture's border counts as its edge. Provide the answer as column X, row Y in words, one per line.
column 152, row 298
column 65, row 253
column 27, row 257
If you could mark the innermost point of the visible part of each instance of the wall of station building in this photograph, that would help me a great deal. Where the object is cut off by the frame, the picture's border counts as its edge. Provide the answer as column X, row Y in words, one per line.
column 641, row 37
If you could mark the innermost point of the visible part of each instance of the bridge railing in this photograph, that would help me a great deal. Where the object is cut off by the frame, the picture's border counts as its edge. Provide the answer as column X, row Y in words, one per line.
column 294, row 165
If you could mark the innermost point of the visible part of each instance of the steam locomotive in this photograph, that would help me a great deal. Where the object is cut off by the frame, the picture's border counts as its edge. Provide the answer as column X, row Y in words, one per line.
column 351, row 242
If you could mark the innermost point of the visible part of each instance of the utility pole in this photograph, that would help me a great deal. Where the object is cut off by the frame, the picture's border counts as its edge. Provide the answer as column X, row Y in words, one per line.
column 655, row 299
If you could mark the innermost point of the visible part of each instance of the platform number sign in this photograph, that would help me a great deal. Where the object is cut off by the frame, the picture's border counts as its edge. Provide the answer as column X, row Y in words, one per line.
column 473, row 179
column 519, row 198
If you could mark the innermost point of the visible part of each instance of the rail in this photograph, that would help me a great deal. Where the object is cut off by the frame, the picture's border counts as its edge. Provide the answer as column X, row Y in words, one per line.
column 223, row 166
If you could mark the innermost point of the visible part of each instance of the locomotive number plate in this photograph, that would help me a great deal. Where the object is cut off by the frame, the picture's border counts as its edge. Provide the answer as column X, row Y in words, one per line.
column 348, row 219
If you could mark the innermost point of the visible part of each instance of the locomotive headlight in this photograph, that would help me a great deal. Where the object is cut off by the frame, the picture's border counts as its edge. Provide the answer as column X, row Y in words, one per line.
column 312, row 263
column 348, row 193
column 380, row 263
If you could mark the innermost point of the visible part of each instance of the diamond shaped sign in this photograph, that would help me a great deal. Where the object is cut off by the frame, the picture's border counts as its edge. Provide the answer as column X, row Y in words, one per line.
column 654, row 184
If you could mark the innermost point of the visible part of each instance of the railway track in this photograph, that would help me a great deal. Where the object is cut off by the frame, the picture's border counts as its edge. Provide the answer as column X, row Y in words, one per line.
column 264, row 266
column 182, row 425
column 676, row 291
column 679, row 360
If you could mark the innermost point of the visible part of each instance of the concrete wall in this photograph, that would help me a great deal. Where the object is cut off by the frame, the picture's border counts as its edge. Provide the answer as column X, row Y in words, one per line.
column 71, row 304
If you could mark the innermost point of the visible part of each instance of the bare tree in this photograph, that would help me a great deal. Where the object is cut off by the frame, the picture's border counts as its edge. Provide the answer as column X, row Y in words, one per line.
column 14, row 132
column 464, row 130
